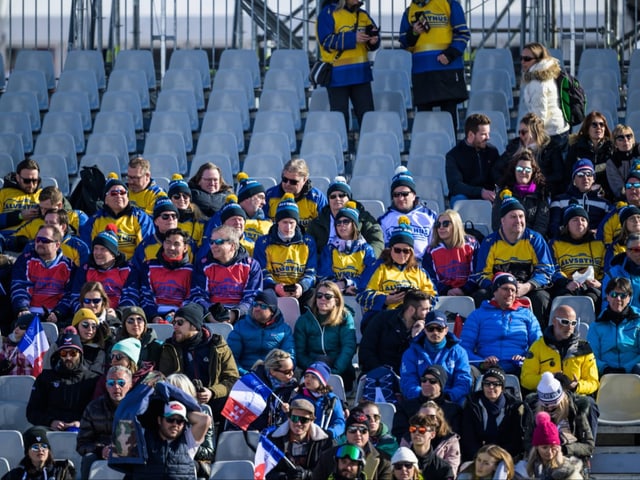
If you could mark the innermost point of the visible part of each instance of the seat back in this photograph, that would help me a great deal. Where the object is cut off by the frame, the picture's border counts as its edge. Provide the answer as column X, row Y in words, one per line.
column 280, row 122
column 583, row 306
column 167, row 143
column 60, row 144
column 387, row 412
column 63, row 446
column 30, row 81
column 113, row 143
column 197, row 59
column 80, row 80
column 141, row 60
column 22, row 102
column 100, row 471
column 130, row 81
column 293, row 58
column 325, row 142
column 163, row 330
column 123, row 102
column 11, row 144
column 220, row 328
column 460, row 305
column 87, row 60
column 288, row 79
column 242, row 58
column 185, row 79
column 237, row 445
column 41, row 60
column 618, row 399
column 229, row 122
column 224, row 470
column 73, row 102
column 15, row 391
column 65, row 122
column 18, row 122
column 478, row 211
column 337, row 385
column 12, row 447
column 290, row 309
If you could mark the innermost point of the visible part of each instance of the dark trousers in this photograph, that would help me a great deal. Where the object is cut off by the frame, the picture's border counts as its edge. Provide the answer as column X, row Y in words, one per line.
column 360, row 95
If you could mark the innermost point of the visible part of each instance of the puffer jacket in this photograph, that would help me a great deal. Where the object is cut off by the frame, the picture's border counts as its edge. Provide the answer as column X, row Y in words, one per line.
column 615, row 339
column 592, row 201
column 96, row 426
column 622, row 266
column 314, row 341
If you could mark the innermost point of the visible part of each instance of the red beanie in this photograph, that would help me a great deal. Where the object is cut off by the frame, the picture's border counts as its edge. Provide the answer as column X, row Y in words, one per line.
column 545, row 432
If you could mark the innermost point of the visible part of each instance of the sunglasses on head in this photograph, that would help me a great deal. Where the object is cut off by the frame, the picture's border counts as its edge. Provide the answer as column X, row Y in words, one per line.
column 117, row 192
column 584, row 174
column 520, row 169
column 290, row 181
column 357, row 429
column 39, row 446
column 621, row 295
column 88, row 301
column 526, row 58
column 402, row 466
column 597, row 124
column 335, row 196
column 401, row 194
column 168, row 216
column 89, row 325
column 632, row 185
column 175, row 420
column 218, row 241
column 67, row 352
column 443, row 224
column 44, row 240
column 626, row 136
column 29, row 180
column 300, row 419
column 326, row 296
column 487, row 383
column 565, row 322
column 120, row 382
column 421, row 430
column 405, row 251
column 434, row 328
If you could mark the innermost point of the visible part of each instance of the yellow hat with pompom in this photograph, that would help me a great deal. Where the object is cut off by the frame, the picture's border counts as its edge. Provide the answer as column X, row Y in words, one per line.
column 113, row 180
column 402, row 233
column 178, row 185
column 287, row 208
column 247, row 187
column 350, row 211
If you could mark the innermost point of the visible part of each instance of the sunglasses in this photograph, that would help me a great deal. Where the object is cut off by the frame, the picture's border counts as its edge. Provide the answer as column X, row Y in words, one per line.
column 117, row 193
column 523, row 132
column 260, row 305
column 402, row 466
column 566, row 322
column 326, row 296
column 487, row 383
column 179, row 322
column 621, row 295
column 626, row 136
column 632, row 185
column 178, row 196
column 168, row 216
column 69, row 353
column 44, row 240
column 443, row 224
column 39, row 446
column 30, row 180
column 218, row 241
column 343, row 221
column 421, row 430
column 335, row 196
column 597, row 124
column 405, row 251
column 584, row 174
column 132, row 320
column 88, row 301
column 290, row 181
column 375, row 417
column 526, row 58
column 300, row 419
column 89, row 325
column 118, row 356
column 432, row 381
column 285, row 372
column 434, row 328
column 634, row 249
column 520, row 169
column 357, row 429
column 401, row 194
column 349, row 451
column 175, row 420
column 120, row 382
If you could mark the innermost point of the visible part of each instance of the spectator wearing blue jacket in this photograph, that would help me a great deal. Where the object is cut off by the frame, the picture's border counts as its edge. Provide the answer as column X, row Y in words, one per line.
column 502, row 329
column 436, row 345
column 259, row 332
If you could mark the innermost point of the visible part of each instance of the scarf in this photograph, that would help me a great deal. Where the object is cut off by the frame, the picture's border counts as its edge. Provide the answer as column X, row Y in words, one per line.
column 348, row 246
column 495, row 412
column 523, row 190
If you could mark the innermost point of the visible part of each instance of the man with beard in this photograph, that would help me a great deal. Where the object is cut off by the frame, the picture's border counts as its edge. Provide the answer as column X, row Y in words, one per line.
column 60, row 394
column 94, row 437
column 144, row 192
column 388, row 334
column 19, row 197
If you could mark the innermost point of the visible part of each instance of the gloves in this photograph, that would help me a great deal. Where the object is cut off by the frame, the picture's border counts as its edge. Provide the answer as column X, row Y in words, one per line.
column 299, row 474
column 219, row 312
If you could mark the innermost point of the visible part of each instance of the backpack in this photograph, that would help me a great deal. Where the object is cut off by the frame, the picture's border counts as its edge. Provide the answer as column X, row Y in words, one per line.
column 470, row 229
column 88, row 194
column 381, row 385
column 572, row 99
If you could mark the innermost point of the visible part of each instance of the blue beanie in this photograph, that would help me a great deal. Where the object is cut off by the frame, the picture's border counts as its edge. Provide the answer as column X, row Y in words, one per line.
column 248, row 187
column 402, row 178
column 581, row 165
column 321, row 370
column 402, row 233
column 574, row 209
column 108, row 238
column 178, row 185
column 509, row 203
column 163, row 204
column 232, row 209
column 339, row 184
column 287, row 208
column 350, row 211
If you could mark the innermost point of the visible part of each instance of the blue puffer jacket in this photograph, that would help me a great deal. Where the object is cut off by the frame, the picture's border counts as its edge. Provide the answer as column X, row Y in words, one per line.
column 251, row 341
column 492, row 331
column 452, row 357
column 621, row 266
column 329, row 412
column 615, row 339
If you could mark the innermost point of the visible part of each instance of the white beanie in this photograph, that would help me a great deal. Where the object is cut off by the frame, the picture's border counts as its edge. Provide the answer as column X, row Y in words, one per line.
column 549, row 389
column 404, row 454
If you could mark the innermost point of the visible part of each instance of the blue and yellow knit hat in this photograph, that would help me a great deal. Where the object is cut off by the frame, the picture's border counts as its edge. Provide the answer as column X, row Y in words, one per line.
column 509, row 203
column 163, row 204
column 402, row 233
column 403, row 177
column 108, row 238
column 574, row 209
column 339, row 184
column 232, row 209
column 350, row 211
column 178, row 185
column 287, row 208
column 248, row 187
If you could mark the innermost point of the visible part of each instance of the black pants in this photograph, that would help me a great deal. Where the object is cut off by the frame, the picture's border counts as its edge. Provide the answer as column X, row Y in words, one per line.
column 360, row 95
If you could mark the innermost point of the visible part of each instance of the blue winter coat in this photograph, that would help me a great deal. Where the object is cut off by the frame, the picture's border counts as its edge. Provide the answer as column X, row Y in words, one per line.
column 621, row 266
column 250, row 341
column 616, row 346
column 329, row 412
column 491, row 331
column 453, row 358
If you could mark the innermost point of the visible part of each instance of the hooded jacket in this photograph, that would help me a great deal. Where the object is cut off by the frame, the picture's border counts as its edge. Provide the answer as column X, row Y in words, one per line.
column 310, row 202
column 623, row 266
column 616, row 345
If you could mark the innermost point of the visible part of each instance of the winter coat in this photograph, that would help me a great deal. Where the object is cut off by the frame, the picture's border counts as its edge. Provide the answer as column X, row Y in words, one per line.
column 618, row 167
column 536, row 210
column 310, row 202
column 492, row 331
column 582, row 147
column 58, row 470
column 96, row 426
column 384, row 341
column 452, row 357
column 571, row 469
column 622, row 266
column 345, row 260
column 592, row 201
column 470, row 170
column 616, row 345
column 250, row 340
column 572, row 255
column 329, row 412
column 377, row 465
column 314, row 341
column 209, row 203
column 151, row 346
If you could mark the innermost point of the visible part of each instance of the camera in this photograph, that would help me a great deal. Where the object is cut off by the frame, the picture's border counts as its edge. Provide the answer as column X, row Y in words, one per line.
column 371, row 30
column 289, row 288
column 403, row 289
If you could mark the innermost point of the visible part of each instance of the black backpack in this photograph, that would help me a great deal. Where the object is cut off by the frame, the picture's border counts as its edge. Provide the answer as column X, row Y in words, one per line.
column 572, row 99
column 88, row 194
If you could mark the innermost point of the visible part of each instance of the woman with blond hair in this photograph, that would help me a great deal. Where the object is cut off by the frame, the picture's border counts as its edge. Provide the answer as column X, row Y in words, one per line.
column 625, row 152
column 490, row 463
column 326, row 331
column 449, row 258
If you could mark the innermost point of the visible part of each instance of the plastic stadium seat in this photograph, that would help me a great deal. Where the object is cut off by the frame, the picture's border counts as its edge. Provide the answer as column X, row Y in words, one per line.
column 185, row 79
column 73, row 102
column 320, row 182
column 599, row 79
column 112, row 143
column 165, row 165
column 123, row 102
column 83, row 81
column 557, row 53
column 387, row 412
column 12, row 446
column 193, row 58
column 583, row 306
column 241, row 58
column 634, row 61
column 497, row 79
column 226, row 121
column 4, row 467
column 604, row 101
column 30, row 81
column 267, row 182
column 383, row 122
column 162, row 182
column 130, row 81
column 633, row 120
column 173, row 121
column 431, row 188
column 6, row 164
column 321, row 164
column 483, row 100
column 11, row 144
column 393, row 59
column 220, row 143
column 633, row 101
column 167, row 143
column 179, row 101
column 220, row 328
column 378, row 142
column 337, row 385
column 3, row 76
column 87, row 60
column 298, row 59
column 63, row 446
column 232, row 445
column 262, row 164
column 274, row 143
column 375, row 164
column 385, row 101
column 324, row 142
column 499, row 124
column 106, row 162
column 22, row 102
column 100, row 471
column 370, row 187
column 290, row 309
column 37, row 60
column 281, row 101
column 53, row 166
column 218, row 159
column 393, row 81
column 230, row 101
column 18, row 122
column 602, row 59
column 288, row 79
column 492, row 58
column 618, row 399
column 236, row 79
column 430, row 165
column 46, row 181
column 278, row 122
column 15, row 391
column 65, row 122
column 141, row 60
column 460, row 305
column 478, row 211
column 323, row 121
column 434, row 122
column 376, row 208
column 319, row 100
column 61, row 144
column 224, row 470
column 117, row 122
column 163, row 330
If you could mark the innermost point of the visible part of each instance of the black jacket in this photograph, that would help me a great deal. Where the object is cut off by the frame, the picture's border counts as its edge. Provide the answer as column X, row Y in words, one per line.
column 384, row 341
column 408, row 408
column 469, row 171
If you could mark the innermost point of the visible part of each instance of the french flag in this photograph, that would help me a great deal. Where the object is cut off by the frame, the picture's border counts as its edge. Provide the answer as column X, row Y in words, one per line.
column 247, row 400
column 34, row 345
column 267, row 457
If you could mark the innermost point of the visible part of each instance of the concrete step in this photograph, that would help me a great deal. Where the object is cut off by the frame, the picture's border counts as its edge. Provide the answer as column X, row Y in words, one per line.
column 615, row 462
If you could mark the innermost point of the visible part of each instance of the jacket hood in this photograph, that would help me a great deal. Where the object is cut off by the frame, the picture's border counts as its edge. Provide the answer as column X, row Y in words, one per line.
column 547, row 69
